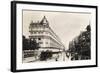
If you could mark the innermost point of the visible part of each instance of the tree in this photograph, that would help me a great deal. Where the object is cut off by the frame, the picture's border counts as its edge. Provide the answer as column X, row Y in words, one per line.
column 33, row 44
column 30, row 44
column 80, row 48
column 25, row 43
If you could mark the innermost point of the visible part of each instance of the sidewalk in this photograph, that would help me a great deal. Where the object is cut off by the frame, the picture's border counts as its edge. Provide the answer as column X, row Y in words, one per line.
column 56, row 57
column 29, row 59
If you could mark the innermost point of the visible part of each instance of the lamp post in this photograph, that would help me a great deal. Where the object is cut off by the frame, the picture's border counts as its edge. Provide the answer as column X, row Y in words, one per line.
column 64, row 54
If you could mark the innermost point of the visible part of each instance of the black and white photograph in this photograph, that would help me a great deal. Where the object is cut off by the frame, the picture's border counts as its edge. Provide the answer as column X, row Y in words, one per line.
column 56, row 36
column 47, row 36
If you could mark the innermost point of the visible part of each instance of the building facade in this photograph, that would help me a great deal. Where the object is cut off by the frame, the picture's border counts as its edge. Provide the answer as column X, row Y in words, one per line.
column 45, row 36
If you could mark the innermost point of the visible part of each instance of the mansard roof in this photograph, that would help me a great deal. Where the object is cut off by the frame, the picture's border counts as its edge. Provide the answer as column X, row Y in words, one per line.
column 42, row 22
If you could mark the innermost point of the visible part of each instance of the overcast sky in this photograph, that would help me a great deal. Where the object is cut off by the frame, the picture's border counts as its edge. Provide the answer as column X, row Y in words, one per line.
column 67, row 25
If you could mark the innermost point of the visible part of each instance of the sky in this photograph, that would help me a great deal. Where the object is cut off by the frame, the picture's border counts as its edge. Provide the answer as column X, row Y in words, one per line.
column 67, row 25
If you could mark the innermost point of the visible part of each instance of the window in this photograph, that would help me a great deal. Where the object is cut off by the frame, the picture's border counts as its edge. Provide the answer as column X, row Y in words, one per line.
column 39, row 38
column 39, row 32
column 35, row 32
column 46, row 32
column 46, row 42
column 40, row 42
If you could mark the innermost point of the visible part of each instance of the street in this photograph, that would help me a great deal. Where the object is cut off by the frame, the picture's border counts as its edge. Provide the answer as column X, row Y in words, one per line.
column 55, row 57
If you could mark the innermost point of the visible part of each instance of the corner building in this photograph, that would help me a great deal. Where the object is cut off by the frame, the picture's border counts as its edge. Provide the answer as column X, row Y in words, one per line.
column 45, row 36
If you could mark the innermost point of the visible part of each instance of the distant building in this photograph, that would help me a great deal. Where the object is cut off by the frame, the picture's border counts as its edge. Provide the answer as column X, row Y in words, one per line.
column 45, row 36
